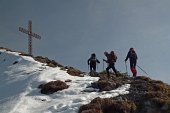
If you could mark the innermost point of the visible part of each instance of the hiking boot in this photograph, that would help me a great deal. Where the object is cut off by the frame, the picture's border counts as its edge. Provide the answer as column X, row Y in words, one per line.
column 134, row 74
column 109, row 77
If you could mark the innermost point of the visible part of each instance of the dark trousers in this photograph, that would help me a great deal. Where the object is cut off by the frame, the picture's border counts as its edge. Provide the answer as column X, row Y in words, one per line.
column 111, row 65
column 92, row 67
column 133, row 63
column 133, row 67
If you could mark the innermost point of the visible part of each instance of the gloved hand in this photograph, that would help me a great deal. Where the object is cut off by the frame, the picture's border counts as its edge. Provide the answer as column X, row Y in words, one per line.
column 125, row 61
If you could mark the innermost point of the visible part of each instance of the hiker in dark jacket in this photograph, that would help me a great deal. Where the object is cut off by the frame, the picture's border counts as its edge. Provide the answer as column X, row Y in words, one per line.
column 133, row 60
column 111, row 64
column 92, row 62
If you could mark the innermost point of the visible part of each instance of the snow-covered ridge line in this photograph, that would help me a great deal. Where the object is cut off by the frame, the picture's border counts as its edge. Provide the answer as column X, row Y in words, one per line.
column 19, row 82
column 52, row 63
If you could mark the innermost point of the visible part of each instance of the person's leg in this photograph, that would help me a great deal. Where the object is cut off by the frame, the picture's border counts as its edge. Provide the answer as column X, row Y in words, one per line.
column 91, row 67
column 131, row 66
column 107, row 70
column 94, row 68
column 134, row 65
column 114, row 69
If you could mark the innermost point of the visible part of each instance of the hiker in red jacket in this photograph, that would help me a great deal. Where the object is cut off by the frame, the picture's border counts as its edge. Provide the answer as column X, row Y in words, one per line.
column 111, row 61
column 133, row 60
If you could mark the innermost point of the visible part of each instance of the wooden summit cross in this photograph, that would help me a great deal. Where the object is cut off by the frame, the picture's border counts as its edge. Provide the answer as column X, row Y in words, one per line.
column 30, row 35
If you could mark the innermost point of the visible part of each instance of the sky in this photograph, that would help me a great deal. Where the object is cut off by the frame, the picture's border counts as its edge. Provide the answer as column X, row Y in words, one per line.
column 19, row 92
column 71, row 30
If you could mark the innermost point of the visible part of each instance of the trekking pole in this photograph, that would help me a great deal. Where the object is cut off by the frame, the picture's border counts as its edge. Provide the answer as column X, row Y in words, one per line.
column 103, row 65
column 88, row 67
column 126, row 68
column 141, row 69
column 97, row 65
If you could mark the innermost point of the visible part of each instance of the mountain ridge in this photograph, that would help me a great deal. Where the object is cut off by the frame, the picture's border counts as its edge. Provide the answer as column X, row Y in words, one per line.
column 52, row 63
column 144, row 95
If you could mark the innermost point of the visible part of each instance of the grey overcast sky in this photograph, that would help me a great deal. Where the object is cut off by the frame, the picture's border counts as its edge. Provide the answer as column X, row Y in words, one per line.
column 72, row 30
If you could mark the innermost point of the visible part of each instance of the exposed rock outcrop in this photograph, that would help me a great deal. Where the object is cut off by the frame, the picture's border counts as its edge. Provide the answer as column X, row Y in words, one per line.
column 145, row 96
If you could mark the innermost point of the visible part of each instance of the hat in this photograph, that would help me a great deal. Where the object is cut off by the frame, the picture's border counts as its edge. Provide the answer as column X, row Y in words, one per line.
column 131, row 49
column 105, row 52
column 112, row 52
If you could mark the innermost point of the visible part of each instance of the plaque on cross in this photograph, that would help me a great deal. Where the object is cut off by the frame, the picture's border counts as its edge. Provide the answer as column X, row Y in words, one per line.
column 30, row 35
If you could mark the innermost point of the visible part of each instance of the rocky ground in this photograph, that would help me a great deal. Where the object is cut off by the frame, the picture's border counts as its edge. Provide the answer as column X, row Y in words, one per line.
column 145, row 96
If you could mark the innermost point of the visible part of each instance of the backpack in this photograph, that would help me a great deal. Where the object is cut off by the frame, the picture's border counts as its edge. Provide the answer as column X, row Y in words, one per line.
column 133, row 55
column 113, row 56
column 93, row 58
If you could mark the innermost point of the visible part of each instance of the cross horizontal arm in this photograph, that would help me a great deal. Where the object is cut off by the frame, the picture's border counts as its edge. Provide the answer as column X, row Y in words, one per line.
column 36, row 36
column 23, row 30
column 29, row 33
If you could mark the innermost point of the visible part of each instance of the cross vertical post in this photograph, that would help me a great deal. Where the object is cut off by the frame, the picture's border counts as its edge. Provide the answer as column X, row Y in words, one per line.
column 30, row 35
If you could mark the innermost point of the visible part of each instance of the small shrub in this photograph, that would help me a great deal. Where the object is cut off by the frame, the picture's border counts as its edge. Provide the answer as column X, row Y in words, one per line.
column 74, row 72
column 158, row 102
column 52, row 87
column 108, row 105
column 144, row 78
column 63, row 68
column 153, row 94
column 159, row 87
column 88, row 108
column 104, row 73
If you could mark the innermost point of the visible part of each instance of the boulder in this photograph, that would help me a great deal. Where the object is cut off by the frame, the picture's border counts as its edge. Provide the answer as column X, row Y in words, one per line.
column 94, row 74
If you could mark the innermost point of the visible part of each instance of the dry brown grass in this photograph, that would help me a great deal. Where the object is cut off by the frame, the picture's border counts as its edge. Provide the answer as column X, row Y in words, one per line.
column 108, row 105
column 159, row 86
column 101, row 83
column 74, row 72
column 25, row 54
column 88, row 108
column 92, row 111
column 153, row 94
column 51, row 63
column 158, row 102
column 7, row 49
column 144, row 78
column 146, row 95
column 68, row 80
column 107, row 85
column 63, row 68
column 158, row 98
column 52, row 87
column 42, row 59
column 119, row 83
column 107, row 88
